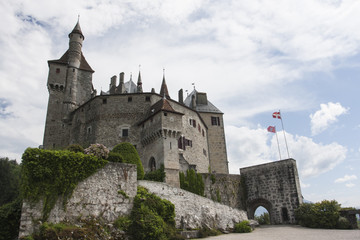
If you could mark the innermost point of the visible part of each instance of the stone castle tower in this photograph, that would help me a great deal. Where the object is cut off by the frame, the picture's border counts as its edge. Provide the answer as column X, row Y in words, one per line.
column 178, row 134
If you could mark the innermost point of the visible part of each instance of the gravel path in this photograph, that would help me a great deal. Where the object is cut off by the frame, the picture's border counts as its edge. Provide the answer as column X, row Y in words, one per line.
column 289, row 232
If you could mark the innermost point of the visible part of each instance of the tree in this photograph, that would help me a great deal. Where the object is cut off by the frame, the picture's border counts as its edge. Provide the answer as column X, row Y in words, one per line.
column 9, row 180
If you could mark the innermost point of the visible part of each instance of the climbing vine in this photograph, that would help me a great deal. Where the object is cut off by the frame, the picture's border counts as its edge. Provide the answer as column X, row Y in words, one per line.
column 192, row 182
column 48, row 175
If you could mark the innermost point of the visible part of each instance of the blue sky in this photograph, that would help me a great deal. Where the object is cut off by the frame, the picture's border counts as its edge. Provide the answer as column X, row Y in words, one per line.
column 251, row 57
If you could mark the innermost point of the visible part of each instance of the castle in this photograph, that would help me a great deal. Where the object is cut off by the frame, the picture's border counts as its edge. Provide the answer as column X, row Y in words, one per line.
column 183, row 134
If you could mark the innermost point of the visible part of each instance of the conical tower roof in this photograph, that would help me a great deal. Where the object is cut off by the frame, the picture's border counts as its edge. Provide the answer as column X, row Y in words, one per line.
column 164, row 90
column 77, row 29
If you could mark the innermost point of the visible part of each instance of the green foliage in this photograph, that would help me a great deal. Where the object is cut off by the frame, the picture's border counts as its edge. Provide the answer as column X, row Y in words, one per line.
column 115, row 157
column 10, row 214
column 192, row 182
column 318, row 215
column 49, row 174
column 212, row 178
column 218, row 197
column 207, row 232
column 151, row 216
column 343, row 223
column 123, row 223
column 130, row 155
column 158, row 175
column 9, row 180
column 123, row 193
column 242, row 227
column 263, row 219
column 75, row 148
column 97, row 150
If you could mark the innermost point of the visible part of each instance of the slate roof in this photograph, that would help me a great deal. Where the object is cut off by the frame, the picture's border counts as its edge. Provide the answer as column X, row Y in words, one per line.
column 84, row 65
column 209, row 107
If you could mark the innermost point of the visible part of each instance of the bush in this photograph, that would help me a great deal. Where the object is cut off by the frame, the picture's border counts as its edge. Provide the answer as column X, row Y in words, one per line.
column 343, row 223
column 130, row 155
column 115, row 157
column 158, row 175
column 10, row 219
column 97, row 150
column 318, row 215
column 263, row 219
column 152, row 217
column 242, row 227
column 192, row 182
column 123, row 223
column 207, row 232
column 49, row 174
column 75, row 148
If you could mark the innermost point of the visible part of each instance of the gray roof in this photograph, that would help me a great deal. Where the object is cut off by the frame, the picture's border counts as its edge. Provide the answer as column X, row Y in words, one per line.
column 209, row 107
column 130, row 87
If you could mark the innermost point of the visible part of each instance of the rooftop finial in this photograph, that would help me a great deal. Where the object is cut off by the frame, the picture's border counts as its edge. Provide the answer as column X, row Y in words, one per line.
column 78, row 17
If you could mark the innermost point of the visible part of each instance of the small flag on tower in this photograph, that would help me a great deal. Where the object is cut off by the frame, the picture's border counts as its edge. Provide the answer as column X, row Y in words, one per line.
column 276, row 115
column 271, row 129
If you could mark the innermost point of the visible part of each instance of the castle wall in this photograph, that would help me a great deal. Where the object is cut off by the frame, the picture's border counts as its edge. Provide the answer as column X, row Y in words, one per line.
column 274, row 186
column 224, row 188
column 217, row 143
column 193, row 211
column 97, row 196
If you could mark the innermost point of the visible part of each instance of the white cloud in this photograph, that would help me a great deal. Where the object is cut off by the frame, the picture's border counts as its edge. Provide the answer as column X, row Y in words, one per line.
column 350, row 185
column 326, row 116
column 247, row 147
column 346, row 178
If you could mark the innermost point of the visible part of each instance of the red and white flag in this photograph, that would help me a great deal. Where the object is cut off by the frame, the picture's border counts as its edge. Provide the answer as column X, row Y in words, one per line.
column 276, row 115
column 271, row 129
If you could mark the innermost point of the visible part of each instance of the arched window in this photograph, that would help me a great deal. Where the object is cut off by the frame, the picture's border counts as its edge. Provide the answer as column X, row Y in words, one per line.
column 152, row 164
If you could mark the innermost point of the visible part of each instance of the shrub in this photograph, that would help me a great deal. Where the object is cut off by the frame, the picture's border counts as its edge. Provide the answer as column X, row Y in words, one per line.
column 151, row 216
column 343, row 223
column 50, row 174
column 158, row 175
column 318, row 215
column 123, row 223
column 97, row 150
column 10, row 219
column 115, row 157
column 192, row 182
column 130, row 155
column 242, row 227
column 263, row 219
column 75, row 148
column 207, row 232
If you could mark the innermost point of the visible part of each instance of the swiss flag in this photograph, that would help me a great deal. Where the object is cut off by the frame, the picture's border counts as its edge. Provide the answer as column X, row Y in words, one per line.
column 276, row 115
column 271, row 129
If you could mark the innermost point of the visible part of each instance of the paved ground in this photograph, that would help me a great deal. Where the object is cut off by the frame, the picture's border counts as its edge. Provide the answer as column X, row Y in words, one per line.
column 291, row 233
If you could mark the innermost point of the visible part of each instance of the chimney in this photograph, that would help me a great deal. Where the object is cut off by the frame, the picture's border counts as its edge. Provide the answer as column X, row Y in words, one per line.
column 112, row 84
column 121, row 87
column 181, row 96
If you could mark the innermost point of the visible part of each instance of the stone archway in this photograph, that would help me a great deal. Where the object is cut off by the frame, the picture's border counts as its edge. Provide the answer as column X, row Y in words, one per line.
column 254, row 204
column 152, row 164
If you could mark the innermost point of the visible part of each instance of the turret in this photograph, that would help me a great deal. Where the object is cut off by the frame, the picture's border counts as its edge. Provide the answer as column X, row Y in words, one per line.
column 76, row 39
column 139, row 84
column 164, row 90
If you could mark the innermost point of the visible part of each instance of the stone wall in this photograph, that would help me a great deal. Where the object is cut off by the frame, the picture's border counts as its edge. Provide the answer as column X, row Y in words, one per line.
column 274, row 186
column 107, row 194
column 224, row 188
column 193, row 211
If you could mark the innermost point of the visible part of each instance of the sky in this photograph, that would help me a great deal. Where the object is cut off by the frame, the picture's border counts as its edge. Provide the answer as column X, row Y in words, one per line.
column 252, row 58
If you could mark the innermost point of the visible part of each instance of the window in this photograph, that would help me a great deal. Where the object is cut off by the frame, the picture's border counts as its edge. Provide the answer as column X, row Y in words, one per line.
column 215, row 121
column 147, row 98
column 194, row 123
column 152, row 164
column 203, row 133
column 190, row 121
column 104, row 100
column 58, row 70
column 89, row 130
column 165, row 114
column 183, row 142
column 125, row 132
column 129, row 99
column 204, row 151
column 199, row 128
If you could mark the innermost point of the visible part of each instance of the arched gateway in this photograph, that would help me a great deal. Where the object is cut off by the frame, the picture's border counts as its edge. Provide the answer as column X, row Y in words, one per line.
column 276, row 187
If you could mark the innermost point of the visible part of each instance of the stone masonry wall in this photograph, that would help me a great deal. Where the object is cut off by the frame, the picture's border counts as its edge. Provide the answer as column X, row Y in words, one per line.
column 193, row 211
column 276, row 187
column 98, row 196
column 225, row 189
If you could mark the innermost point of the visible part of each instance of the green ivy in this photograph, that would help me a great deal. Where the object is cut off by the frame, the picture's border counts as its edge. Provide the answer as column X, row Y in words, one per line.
column 49, row 175
column 130, row 155
column 192, row 182
column 152, row 218
column 158, row 175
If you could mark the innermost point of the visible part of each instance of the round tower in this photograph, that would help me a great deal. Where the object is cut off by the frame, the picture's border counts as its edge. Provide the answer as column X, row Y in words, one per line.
column 76, row 39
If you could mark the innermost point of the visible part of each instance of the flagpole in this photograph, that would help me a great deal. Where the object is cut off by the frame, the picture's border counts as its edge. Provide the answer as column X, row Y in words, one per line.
column 282, row 124
column 277, row 139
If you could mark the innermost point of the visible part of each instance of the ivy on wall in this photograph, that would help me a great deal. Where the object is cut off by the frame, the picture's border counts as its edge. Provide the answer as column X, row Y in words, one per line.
column 48, row 175
column 192, row 182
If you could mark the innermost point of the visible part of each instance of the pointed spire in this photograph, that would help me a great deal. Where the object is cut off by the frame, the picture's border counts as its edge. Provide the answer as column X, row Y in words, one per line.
column 77, row 28
column 164, row 91
column 139, row 83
